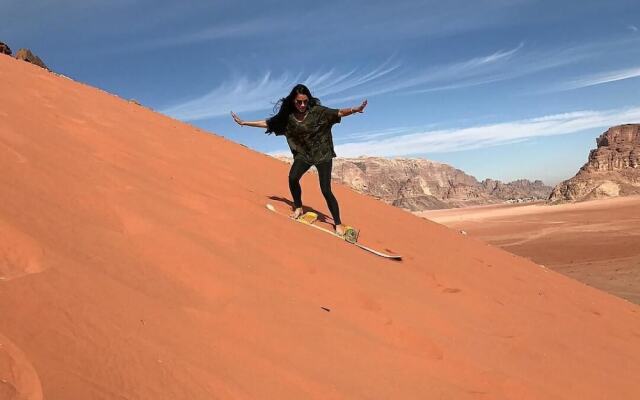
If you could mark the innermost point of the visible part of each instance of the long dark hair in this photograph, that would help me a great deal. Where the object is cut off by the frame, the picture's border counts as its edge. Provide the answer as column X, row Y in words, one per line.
column 278, row 122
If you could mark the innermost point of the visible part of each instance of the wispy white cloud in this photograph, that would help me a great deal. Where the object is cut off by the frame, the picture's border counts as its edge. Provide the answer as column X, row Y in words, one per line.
column 632, row 28
column 242, row 94
column 335, row 87
column 255, row 94
column 245, row 28
column 445, row 74
column 330, row 85
column 379, row 133
column 449, row 140
column 502, row 66
column 498, row 66
column 601, row 78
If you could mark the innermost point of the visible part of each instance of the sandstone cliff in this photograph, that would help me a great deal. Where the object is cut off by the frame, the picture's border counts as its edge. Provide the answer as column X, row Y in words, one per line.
column 613, row 168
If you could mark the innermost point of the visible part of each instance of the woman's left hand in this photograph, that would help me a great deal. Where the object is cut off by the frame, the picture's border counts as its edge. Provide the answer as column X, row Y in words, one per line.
column 361, row 107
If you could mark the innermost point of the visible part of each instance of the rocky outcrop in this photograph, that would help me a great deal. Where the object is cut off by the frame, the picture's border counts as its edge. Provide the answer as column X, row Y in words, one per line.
column 413, row 184
column 612, row 169
column 24, row 55
column 418, row 184
column 517, row 191
column 28, row 56
column 4, row 49
column 618, row 149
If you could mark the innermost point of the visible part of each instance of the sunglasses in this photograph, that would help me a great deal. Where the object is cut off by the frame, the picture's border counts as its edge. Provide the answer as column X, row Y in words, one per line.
column 301, row 102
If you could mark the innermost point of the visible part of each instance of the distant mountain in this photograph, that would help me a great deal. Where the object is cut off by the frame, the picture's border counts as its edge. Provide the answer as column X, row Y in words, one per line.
column 612, row 169
column 418, row 184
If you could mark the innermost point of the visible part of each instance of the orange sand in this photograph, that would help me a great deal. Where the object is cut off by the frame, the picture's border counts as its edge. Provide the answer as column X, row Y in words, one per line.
column 138, row 261
column 596, row 242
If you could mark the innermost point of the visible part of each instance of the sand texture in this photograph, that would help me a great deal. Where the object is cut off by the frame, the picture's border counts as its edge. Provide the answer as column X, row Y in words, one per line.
column 138, row 261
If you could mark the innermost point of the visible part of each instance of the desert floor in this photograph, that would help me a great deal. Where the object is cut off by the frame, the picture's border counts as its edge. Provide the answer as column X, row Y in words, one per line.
column 595, row 242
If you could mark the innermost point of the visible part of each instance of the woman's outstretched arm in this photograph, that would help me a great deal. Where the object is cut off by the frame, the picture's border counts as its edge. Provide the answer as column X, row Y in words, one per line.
column 256, row 124
column 348, row 111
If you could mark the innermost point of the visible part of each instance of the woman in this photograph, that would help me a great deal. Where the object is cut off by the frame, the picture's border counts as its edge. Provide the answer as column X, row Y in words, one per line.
column 307, row 126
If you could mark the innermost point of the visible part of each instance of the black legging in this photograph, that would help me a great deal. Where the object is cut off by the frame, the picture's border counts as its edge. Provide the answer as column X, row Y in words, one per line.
column 298, row 169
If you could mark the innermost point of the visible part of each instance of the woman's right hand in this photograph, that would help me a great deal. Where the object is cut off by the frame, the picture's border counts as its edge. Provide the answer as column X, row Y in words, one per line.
column 236, row 118
column 256, row 124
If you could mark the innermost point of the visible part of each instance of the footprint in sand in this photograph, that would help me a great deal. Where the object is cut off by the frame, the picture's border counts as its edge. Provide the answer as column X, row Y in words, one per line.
column 416, row 342
column 369, row 304
column 401, row 336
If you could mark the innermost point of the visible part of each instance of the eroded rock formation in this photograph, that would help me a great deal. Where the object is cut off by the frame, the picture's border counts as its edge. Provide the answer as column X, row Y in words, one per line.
column 612, row 169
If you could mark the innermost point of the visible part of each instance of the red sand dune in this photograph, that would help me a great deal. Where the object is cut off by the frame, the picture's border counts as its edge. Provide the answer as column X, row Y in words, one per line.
column 138, row 261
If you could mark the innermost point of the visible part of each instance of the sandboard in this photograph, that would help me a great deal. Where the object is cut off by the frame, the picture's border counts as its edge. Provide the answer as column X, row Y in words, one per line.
column 309, row 221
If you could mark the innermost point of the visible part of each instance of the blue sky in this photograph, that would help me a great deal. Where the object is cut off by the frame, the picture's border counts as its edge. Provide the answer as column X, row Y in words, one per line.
column 501, row 89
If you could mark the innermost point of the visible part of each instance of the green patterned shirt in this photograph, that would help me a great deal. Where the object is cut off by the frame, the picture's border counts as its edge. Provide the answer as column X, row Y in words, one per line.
column 310, row 140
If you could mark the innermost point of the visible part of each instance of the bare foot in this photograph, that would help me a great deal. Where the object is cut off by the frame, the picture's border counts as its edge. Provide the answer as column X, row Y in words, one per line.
column 297, row 213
